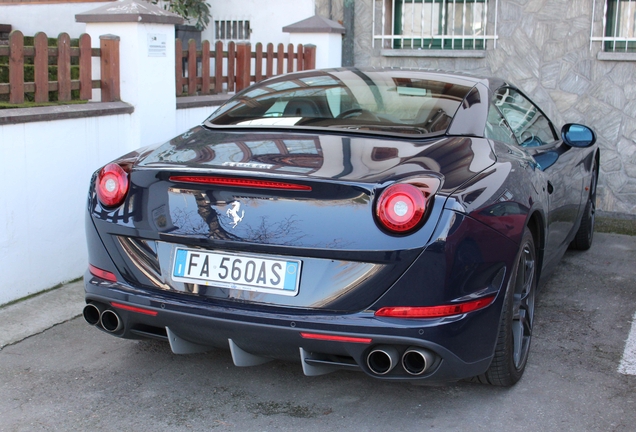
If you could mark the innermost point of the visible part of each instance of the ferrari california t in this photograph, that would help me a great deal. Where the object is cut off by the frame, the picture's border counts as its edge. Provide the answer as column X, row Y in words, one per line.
column 395, row 222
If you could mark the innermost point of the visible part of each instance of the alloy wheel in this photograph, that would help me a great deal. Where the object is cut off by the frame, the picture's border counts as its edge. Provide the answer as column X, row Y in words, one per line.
column 523, row 306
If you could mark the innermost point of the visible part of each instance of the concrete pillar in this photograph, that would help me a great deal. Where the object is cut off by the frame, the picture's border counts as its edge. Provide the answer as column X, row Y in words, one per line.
column 147, row 63
column 322, row 32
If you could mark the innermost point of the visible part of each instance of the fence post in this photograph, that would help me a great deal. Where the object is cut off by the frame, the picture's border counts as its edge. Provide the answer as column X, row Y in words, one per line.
column 309, row 62
column 218, row 67
column 269, row 65
column 290, row 57
column 231, row 67
column 109, row 46
column 243, row 65
column 300, row 58
column 86, row 67
column 258, row 72
column 205, row 68
column 64, row 67
column 41, row 66
column 16, row 67
column 178, row 66
column 192, row 67
column 280, row 57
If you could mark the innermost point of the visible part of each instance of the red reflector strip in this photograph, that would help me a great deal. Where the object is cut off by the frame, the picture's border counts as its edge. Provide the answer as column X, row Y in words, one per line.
column 134, row 309
column 335, row 338
column 240, row 182
column 435, row 311
column 103, row 274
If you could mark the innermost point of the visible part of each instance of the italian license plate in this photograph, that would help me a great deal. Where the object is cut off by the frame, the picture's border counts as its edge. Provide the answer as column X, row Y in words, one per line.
column 237, row 271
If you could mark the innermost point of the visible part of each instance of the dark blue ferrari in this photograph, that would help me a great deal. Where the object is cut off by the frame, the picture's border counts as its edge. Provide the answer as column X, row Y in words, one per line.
column 395, row 222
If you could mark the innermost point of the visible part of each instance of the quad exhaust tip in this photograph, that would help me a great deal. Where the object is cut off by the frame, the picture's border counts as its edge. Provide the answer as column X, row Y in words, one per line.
column 111, row 321
column 91, row 314
column 383, row 359
column 416, row 361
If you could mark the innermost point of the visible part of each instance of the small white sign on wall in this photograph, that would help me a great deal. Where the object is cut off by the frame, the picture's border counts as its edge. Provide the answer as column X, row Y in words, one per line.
column 156, row 45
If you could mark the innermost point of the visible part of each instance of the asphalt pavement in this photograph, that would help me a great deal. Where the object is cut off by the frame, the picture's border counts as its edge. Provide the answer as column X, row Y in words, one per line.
column 59, row 373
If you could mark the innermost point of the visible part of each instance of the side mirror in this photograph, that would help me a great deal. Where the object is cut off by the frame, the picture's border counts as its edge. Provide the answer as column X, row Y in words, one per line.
column 576, row 135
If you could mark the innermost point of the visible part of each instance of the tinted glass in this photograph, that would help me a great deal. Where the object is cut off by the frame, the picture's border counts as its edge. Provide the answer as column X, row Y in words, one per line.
column 497, row 128
column 398, row 102
column 530, row 126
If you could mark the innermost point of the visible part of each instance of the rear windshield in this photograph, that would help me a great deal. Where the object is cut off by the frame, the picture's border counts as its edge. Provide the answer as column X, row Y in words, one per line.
column 392, row 102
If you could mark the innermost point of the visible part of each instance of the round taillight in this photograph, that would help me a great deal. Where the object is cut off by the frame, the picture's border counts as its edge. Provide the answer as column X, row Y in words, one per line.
column 401, row 207
column 112, row 185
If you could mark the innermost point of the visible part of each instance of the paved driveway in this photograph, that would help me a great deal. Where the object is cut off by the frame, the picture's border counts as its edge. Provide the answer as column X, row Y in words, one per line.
column 73, row 377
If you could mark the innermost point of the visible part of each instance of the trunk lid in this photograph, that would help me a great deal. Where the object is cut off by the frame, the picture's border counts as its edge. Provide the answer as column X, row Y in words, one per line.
column 347, row 261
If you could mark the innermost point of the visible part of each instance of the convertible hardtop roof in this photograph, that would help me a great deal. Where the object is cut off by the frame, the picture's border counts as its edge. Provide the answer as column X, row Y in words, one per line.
column 467, row 79
column 389, row 101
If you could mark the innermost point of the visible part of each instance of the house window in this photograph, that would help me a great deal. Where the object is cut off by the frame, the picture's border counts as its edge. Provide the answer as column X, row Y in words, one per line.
column 232, row 30
column 619, row 26
column 434, row 24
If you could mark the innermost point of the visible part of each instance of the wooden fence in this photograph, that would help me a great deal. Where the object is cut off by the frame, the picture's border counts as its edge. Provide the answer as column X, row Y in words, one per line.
column 57, row 62
column 63, row 68
column 233, row 68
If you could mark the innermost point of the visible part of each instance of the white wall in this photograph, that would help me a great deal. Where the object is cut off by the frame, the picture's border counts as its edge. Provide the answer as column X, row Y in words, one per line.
column 44, row 180
column 191, row 117
column 52, row 19
column 46, row 168
column 267, row 17
column 329, row 55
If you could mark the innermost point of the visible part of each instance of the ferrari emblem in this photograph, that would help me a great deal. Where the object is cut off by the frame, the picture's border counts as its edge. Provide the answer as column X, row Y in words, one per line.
column 233, row 212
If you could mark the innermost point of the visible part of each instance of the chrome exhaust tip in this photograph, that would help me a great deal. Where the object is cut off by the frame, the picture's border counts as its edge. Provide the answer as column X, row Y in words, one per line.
column 91, row 314
column 416, row 361
column 111, row 321
column 382, row 360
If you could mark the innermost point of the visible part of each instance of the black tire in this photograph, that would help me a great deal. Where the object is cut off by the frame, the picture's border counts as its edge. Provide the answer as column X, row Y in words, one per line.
column 515, row 327
column 585, row 235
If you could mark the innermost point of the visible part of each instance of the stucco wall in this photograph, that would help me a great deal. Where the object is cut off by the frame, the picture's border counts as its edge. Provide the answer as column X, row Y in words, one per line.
column 544, row 47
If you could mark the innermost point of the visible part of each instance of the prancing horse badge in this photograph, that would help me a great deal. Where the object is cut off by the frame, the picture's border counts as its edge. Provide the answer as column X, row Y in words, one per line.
column 233, row 212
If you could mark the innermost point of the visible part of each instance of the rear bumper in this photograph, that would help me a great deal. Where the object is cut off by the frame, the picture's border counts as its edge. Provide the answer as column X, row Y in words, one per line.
column 278, row 334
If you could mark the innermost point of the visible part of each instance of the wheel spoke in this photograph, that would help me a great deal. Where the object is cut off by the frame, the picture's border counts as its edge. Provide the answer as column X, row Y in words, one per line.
column 526, row 323
column 529, row 281
column 517, row 338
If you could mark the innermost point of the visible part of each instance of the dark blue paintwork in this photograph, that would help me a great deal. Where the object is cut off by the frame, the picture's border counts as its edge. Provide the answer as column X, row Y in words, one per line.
column 489, row 192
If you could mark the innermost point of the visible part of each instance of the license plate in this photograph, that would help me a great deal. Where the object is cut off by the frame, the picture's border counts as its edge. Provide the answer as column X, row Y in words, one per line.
column 237, row 271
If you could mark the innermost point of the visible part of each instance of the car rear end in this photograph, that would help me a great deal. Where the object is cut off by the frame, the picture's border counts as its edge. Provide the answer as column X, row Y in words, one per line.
column 313, row 219
column 343, row 271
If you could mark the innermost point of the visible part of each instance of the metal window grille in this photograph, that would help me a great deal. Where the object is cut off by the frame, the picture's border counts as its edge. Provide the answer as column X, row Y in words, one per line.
column 434, row 24
column 232, row 30
column 619, row 26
